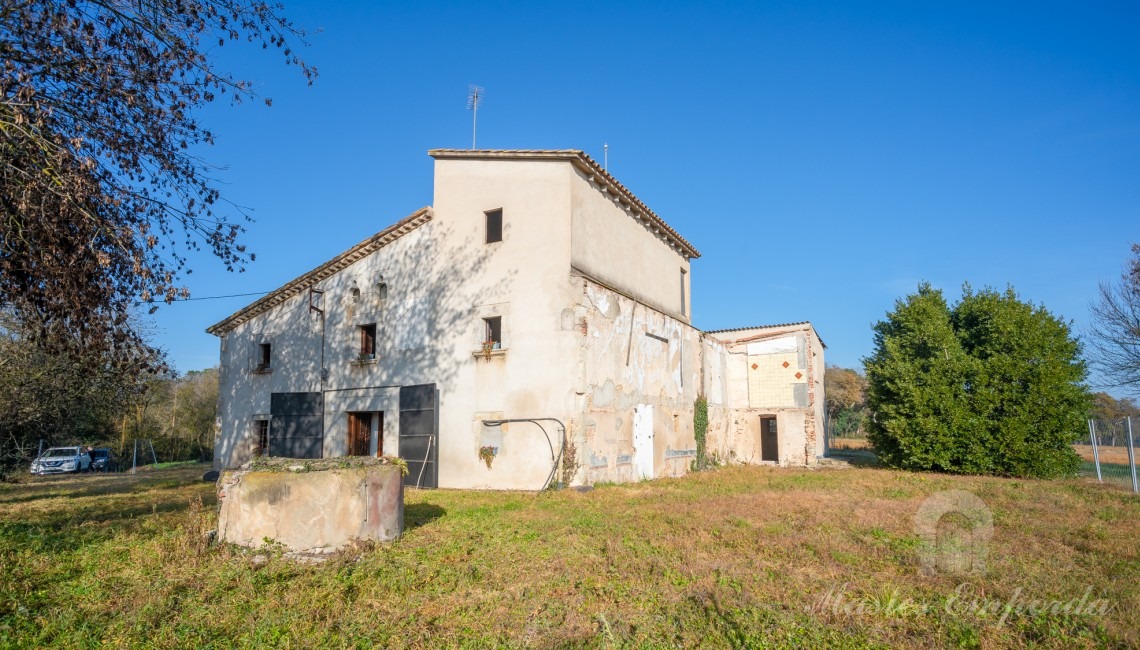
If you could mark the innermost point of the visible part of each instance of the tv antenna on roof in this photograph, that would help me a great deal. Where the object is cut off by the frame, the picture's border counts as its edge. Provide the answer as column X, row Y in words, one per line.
column 474, row 98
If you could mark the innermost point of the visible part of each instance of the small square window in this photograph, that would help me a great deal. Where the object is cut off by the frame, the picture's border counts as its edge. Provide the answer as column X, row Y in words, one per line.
column 264, row 358
column 493, row 332
column 494, row 225
column 368, row 342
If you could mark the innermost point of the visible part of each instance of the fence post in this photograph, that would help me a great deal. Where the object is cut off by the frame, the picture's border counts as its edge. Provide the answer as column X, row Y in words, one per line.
column 1096, row 454
column 1132, row 457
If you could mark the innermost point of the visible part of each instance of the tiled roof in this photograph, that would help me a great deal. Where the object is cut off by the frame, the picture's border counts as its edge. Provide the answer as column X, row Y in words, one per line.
column 326, row 270
column 769, row 327
column 594, row 172
column 757, row 327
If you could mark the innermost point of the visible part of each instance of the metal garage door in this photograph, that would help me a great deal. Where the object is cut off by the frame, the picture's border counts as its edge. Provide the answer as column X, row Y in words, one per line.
column 296, row 428
column 419, row 435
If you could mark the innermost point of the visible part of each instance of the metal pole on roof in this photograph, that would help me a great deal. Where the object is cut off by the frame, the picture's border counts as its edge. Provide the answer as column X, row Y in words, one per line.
column 606, row 156
column 474, row 98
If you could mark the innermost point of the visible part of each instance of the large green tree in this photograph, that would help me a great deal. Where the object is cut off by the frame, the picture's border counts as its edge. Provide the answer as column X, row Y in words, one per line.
column 990, row 385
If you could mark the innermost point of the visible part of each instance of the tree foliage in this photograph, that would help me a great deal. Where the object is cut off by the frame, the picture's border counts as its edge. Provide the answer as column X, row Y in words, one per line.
column 845, row 389
column 176, row 415
column 102, row 192
column 1116, row 327
column 56, row 397
column 44, row 397
column 991, row 385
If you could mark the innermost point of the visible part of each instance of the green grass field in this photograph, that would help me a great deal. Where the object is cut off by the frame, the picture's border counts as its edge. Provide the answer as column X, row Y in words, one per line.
column 743, row 557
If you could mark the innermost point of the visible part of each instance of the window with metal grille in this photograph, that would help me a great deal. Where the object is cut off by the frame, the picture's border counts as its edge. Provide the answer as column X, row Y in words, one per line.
column 262, row 431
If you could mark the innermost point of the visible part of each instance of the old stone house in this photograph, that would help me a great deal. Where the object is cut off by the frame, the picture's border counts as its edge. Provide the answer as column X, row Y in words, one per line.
column 536, row 301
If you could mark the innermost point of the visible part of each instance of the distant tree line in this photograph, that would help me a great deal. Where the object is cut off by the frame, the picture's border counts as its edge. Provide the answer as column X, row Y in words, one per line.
column 845, row 392
column 66, row 397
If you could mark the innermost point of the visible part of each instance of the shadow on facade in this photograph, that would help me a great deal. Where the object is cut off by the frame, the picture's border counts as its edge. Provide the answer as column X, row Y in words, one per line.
column 423, row 296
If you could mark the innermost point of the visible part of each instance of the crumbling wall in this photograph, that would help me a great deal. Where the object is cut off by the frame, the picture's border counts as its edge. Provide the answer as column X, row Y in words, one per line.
column 635, row 367
column 754, row 374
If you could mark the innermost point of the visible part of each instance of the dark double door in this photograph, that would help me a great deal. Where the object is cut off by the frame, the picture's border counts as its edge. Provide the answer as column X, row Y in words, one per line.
column 419, row 434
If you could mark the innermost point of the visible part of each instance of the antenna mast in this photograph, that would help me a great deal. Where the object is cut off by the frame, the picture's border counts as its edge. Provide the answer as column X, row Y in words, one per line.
column 606, row 156
column 474, row 98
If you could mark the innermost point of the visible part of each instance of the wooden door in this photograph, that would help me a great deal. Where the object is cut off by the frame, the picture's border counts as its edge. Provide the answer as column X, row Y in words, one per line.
column 359, row 433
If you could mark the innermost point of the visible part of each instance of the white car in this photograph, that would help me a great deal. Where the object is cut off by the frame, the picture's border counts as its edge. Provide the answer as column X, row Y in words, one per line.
column 59, row 460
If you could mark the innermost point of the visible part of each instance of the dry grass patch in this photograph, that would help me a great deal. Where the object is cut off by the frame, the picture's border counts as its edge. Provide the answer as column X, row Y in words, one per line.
column 734, row 557
column 1114, row 455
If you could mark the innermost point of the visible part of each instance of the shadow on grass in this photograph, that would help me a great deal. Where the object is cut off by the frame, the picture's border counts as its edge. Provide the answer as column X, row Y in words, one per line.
column 419, row 514
column 94, row 487
column 857, row 457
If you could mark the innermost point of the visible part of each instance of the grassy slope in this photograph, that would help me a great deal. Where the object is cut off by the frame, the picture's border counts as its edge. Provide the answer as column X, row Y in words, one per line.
column 739, row 556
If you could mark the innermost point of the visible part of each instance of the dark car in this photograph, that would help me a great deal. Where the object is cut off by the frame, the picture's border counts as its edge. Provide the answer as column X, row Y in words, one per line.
column 103, row 460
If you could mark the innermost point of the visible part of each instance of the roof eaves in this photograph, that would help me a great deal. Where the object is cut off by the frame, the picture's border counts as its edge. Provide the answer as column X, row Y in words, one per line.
column 324, row 271
column 766, row 327
column 596, row 174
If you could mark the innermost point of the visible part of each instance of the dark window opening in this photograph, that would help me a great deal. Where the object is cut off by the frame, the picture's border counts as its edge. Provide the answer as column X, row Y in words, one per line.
column 368, row 342
column 493, row 332
column 265, row 356
column 262, row 437
column 494, row 225
column 769, row 439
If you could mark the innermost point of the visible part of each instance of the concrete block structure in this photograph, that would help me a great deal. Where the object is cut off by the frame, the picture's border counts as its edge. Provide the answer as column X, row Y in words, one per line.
column 536, row 307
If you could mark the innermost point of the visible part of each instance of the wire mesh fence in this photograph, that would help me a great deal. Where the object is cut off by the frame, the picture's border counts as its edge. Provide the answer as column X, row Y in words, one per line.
column 1108, row 454
column 845, row 437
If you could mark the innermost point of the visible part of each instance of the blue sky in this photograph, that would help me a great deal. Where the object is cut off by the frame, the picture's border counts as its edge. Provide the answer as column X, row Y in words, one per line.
column 824, row 158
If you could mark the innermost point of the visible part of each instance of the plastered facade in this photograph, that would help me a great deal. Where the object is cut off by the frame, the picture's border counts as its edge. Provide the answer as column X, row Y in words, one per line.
column 592, row 293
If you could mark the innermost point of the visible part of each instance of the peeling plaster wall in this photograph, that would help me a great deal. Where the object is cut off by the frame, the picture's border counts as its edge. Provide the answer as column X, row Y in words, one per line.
column 627, row 356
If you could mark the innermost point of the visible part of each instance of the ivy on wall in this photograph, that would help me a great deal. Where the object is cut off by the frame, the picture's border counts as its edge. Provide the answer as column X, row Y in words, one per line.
column 700, row 430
